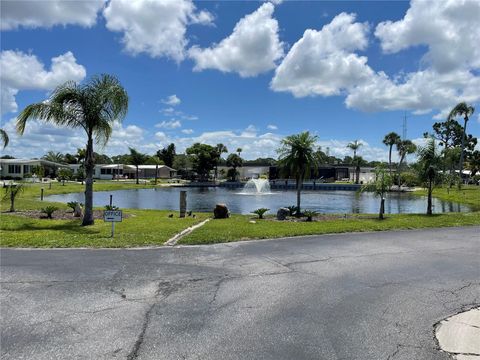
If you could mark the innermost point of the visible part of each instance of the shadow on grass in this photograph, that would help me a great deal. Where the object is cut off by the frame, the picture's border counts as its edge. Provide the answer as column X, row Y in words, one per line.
column 72, row 227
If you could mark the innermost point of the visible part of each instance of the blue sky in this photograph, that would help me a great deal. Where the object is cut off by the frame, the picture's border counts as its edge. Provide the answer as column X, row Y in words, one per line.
column 245, row 73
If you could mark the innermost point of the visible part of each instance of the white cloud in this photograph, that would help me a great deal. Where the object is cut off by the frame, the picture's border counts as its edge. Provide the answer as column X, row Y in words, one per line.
column 155, row 27
column 322, row 62
column 171, row 124
column 187, row 131
column 171, row 100
column 272, row 127
column 251, row 49
column 449, row 28
column 22, row 71
column 34, row 14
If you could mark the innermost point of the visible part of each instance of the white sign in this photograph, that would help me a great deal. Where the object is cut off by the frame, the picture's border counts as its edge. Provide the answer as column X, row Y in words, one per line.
column 112, row 215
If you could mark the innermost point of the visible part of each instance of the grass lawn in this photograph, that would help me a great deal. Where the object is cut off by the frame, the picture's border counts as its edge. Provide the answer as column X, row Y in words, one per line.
column 142, row 227
column 154, row 227
column 238, row 227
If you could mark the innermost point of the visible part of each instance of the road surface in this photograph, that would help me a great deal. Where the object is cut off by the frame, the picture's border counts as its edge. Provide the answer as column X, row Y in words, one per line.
column 348, row 296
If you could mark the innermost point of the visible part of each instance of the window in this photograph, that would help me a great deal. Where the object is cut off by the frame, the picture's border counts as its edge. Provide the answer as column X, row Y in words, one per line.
column 27, row 169
column 14, row 169
column 106, row 171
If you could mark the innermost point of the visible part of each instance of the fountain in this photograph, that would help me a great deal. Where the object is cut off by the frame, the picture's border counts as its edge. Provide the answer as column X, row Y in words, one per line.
column 256, row 187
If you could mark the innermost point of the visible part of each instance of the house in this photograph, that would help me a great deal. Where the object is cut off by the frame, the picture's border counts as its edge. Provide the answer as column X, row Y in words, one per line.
column 114, row 171
column 26, row 168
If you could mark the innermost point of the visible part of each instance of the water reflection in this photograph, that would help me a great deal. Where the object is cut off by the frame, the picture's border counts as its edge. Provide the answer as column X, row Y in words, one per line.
column 204, row 199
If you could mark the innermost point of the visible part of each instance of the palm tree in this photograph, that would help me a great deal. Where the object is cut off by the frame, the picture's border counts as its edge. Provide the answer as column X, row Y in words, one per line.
column 380, row 186
column 93, row 107
column 297, row 155
column 239, row 151
column 4, row 137
column 155, row 160
column 390, row 140
column 220, row 149
column 404, row 148
column 11, row 193
column 465, row 110
column 53, row 156
column 428, row 161
column 137, row 158
column 355, row 146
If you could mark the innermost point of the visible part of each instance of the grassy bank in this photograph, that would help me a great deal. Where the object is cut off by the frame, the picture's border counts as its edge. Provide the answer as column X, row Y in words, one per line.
column 239, row 227
column 140, row 228
column 154, row 227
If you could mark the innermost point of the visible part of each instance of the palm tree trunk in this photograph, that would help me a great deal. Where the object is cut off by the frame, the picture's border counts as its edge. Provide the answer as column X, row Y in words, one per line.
column 357, row 174
column 137, row 173
column 382, row 208
column 463, row 148
column 12, row 200
column 390, row 160
column 429, row 201
column 156, row 174
column 89, row 167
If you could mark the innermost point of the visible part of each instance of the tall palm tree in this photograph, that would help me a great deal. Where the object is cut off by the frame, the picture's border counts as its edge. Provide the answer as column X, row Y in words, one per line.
column 355, row 146
column 391, row 139
column 297, row 155
column 219, row 150
column 137, row 158
column 4, row 137
column 54, row 157
column 429, row 161
column 93, row 106
column 465, row 110
column 404, row 148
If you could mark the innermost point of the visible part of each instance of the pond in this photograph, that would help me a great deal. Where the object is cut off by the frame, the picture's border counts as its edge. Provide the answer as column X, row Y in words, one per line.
column 204, row 199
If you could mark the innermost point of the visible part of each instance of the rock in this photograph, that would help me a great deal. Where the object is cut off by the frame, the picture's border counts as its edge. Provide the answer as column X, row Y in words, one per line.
column 78, row 212
column 282, row 213
column 252, row 222
column 221, row 212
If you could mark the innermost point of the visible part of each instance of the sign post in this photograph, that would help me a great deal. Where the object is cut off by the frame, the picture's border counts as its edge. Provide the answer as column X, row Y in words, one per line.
column 112, row 216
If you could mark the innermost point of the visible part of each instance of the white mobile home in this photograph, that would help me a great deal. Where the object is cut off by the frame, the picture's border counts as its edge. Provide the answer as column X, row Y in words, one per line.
column 114, row 171
column 21, row 168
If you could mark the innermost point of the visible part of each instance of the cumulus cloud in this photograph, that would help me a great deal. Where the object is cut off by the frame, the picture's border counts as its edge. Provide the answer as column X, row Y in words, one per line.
column 187, row 131
column 272, row 127
column 323, row 62
column 22, row 71
column 452, row 33
column 171, row 100
column 34, row 14
column 171, row 124
column 252, row 48
column 155, row 27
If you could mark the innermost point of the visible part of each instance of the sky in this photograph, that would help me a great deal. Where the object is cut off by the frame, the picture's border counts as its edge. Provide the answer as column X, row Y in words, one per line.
column 244, row 73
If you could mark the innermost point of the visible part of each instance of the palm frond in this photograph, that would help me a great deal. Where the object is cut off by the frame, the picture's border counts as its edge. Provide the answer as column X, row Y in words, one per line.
column 4, row 137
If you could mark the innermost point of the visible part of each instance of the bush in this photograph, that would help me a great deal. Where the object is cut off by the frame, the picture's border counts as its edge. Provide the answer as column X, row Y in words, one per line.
column 73, row 204
column 409, row 179
column 49, row 210
column 65, row 174
column 309, row 214
column 260, row 212
column 292, row 209
column 111, row 207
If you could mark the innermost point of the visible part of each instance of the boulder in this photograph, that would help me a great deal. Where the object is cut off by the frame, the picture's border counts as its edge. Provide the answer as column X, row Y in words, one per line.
column 221, row 212
column 282, row 213
column 78, row 212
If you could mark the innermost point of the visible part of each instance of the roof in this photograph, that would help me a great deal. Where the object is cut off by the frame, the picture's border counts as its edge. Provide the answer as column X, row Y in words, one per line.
column 30, row 161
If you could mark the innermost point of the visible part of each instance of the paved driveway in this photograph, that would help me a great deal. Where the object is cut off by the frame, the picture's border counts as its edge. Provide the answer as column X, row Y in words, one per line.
column 351, row 296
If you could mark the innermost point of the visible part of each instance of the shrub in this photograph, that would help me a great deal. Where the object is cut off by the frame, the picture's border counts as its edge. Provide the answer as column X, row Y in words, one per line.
column 49, row 210
column 111, row 207
column 309, row 214
column 409, row 179
column 292, row 209
column 73, row 204
column 260, row 212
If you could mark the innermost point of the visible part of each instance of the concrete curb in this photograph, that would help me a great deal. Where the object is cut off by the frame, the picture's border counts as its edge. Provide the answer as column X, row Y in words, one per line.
column 459, row 335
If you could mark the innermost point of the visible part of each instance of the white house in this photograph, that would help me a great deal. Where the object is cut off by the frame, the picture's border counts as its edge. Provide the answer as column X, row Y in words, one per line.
column 18, row 168
column 113, row 171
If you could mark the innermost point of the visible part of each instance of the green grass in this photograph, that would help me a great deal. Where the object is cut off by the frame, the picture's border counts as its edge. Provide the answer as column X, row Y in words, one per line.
column 238, row 227
column 141, row 228
column 469, row 195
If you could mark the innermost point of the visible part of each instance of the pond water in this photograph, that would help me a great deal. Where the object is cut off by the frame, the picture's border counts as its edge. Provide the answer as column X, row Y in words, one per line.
column 204, row 199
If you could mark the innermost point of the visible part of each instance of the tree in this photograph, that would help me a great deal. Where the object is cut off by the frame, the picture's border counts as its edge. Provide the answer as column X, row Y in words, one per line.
column 220, row 149
column 390, row 140
column 404, row 148
column 203, row 159
column 11, row 192
column 167, row 155
column 4, row 137
column 380, row 187
column 93, row 106
column 53, row 156
column 355, row 146
column 474, row 163
column 297, row 155
column 358, row 162
column 155, row 160
column 65, row 174
column 181, row 164
column 234, row 161
column 137, row 159
column 70, row 159
column 239, row 151
column 428, row 169
column 465, row 110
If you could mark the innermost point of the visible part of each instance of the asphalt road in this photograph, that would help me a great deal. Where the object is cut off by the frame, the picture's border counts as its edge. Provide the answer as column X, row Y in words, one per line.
column 351, row 296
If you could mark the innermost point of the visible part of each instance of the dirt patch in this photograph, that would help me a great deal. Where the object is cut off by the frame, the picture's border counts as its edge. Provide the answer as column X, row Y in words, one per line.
column 58, row 215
